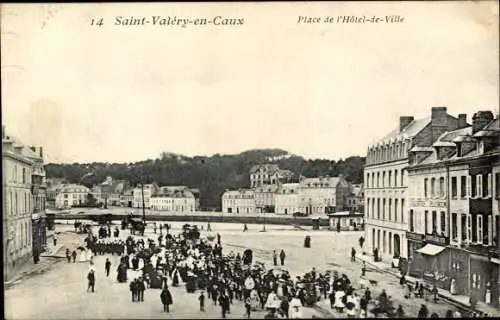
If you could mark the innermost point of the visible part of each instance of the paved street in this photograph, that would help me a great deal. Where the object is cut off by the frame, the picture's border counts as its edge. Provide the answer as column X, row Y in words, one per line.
column 61, row 292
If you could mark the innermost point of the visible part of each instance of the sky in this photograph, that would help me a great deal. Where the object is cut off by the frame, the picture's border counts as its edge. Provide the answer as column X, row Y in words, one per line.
column 318, row 90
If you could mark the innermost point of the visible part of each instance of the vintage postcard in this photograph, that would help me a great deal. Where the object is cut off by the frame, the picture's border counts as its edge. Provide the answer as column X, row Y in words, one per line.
column 254, row 160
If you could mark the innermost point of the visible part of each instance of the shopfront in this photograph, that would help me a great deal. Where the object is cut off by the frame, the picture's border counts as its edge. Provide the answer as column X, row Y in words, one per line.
column 459, row 271
column 415, row 260
column 483, row 279
column 436, row 261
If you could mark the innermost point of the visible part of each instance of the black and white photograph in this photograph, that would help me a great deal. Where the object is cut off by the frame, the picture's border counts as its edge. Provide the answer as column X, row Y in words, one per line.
column 250, row 160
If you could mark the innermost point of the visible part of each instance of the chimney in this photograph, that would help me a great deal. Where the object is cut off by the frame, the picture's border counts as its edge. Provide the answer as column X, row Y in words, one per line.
column 462, row 121
column 41, row 152
column 439, row 122
column 480, row 120
column 404, row 122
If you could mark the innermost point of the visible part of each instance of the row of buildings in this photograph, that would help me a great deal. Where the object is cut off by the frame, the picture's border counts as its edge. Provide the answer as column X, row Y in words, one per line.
column 272, row 191
column 23, row 192
column 119, row 193
column 432, row 187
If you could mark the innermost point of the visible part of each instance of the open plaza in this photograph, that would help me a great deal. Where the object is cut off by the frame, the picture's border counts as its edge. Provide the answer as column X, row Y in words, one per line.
column 61, row 291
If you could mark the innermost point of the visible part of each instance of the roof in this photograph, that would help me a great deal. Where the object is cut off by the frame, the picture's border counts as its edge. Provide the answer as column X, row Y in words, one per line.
column 238, row 193
column 25, row 150
column 71, row 188
column 411, row 130
column 175, row 192
column 421, row 149
column 266, row 167
column 321, row 181
column 492, row 129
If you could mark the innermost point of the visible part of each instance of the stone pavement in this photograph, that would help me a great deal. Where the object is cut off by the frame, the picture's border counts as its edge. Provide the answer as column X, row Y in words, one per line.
column 52, row 255
column 462, row 301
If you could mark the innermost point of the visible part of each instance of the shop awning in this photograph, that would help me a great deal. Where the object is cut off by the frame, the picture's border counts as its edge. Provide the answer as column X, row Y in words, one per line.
column 431, row 249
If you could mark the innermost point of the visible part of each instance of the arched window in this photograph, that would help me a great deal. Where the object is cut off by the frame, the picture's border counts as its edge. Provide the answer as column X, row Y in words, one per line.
column 441, row 187
column 433, row 187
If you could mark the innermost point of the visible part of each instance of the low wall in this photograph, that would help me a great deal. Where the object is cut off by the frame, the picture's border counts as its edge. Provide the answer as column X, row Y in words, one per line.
column 202, row 218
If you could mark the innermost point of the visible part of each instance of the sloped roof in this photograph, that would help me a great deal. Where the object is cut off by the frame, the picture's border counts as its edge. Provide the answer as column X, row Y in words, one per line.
column 490, row 130
column 266, row 167
column 26, row 150
column 329, row 181
column 411, row 130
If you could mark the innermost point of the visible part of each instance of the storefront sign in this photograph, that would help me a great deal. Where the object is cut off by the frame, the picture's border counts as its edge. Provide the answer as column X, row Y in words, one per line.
column 428, row 203
column 414, row 236
column 436, row 239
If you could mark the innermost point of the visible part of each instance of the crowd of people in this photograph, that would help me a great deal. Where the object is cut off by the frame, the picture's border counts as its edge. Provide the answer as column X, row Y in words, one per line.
column 199, row 264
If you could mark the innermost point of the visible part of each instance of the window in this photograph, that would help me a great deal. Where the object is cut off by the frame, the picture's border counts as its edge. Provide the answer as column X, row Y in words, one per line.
column 402, row 210
column 497, row 185
column 487, row 186
column 395, row 178
column 463, row 226
column 390, row 242
column 453, row 187
column 402, row 177
column 390, row 178
column 383, row 179
column 443, row 223
column 472, row 187
column 390, row 209
column 489, row 231
column 433, row 188
column 441, row 187
column 368, row 180
column 378, row 208
column 479, row 228
column 384, row 241
column 426, row 222
column 368, row 207
column 395, row 210
column 463, row 187
column 454, row 229
column 378, row 179
column 434, row 222
column 479, row 185
column 469, row 227
column 383, row 209
column 412, row 223
column 425, row 188
column 24, row 175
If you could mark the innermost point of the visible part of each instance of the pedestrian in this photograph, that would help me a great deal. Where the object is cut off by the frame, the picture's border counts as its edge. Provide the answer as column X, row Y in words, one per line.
column 402, row 280
column 434, row 316
column 133, row 289
column 285, row 307
column 361, row 242
column 201, row 299
column 218, row 236
column 275, row 258
column 140, row 289
column 248, row 307
column 449, row 314
column 154, row 227
column 245, row 228
column 166, row 299
column 400, row 313
column 423, row 312
column 73, row 255
column 435, row 293
column 55, row 239
column 208, row 227
column 107, row 266
column 282, row 257
column 338, row 226
column 91, row 279
column 363, row 269
column 353, row 254
column 68, row 255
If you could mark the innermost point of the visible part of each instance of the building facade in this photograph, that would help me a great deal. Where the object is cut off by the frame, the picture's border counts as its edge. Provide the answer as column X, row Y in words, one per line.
column 453, row 222
column 18, row 170
column 238, row 201
column 287, row 198
column 386, row 180
column 148, row 191
column 173, row 199
column 355, row 200
column 268, row 174
column 322, row 194
column 72, row 195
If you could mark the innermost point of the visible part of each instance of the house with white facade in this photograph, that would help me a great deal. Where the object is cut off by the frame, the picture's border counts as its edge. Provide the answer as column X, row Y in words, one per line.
column 72, row 195
column 287, row 198
column 143, row 193
column 173, row 199
column 238, row 201
column 322, row 194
